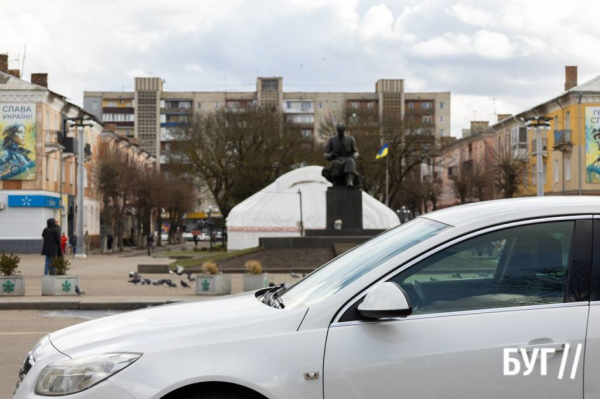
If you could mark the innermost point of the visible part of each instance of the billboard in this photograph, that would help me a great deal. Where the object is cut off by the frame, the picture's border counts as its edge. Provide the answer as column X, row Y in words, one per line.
column 17, row 141
column 592, row 144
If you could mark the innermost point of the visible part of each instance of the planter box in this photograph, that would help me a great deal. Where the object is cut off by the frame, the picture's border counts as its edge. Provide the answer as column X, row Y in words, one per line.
column 12, row 286
column 213, row 284
column 59, row 285
column 253, row 282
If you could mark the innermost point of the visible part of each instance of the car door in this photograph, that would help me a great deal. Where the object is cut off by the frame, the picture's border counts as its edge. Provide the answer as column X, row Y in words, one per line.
column 592, row 350
column 524, row 285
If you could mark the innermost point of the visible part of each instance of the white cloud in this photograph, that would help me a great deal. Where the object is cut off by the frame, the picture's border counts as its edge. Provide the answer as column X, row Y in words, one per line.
column 483, row 44
column 512, row 50
column 193, row 68
column 472, row 16
column 378, row 22
column 492, row 45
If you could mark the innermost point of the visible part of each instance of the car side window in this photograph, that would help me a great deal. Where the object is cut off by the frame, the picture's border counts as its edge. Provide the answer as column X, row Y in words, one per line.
column 518, row 266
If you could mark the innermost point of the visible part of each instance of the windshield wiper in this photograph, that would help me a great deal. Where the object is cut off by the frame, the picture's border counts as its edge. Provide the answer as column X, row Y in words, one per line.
column 272, row 298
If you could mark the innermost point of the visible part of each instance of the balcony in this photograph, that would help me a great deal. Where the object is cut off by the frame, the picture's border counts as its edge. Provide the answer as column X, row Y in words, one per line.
column 562, row 140
column 298, row 107
column 419, row 111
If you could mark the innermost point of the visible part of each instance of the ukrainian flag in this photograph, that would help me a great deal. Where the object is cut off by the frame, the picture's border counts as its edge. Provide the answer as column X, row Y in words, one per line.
column 383, row 152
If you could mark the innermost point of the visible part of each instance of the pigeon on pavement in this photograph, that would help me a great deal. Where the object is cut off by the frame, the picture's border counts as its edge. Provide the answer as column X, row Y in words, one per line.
column 79, row 291
column 135, row 281
column 294, row 275
column 133, row 275
column 180, row 270
column 158, row 282
column 191, row 277
column 184, row 284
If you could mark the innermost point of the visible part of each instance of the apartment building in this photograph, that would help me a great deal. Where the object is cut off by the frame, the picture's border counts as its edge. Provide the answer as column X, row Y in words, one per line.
column 147, row 113
column 570, row 144
column 38, row 162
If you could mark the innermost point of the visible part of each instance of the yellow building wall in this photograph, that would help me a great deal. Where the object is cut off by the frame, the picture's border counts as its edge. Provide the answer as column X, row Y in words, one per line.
column 557, row 159
column 117, row 103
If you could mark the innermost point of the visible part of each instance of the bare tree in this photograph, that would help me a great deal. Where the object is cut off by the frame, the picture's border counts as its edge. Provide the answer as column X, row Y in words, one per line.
column 411, row 144
column 462, row 183
column 508, row 172
column 235, row 153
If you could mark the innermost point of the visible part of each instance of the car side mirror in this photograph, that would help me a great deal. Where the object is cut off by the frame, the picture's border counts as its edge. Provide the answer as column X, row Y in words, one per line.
column 384, row 301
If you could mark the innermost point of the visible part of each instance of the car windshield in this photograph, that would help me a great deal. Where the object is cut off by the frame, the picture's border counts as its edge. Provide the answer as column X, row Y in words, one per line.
column 347, row 268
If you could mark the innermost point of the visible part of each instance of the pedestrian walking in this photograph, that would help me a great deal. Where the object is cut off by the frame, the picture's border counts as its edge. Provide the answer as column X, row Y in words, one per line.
column 109, row 242
column 86, row 240
column 196, row 239
column 150, row 243
column 74, row 244
column 64, row 240
column 51, row 246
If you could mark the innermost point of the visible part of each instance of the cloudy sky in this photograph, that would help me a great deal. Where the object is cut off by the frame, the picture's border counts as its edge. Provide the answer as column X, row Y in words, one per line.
column 513, row 51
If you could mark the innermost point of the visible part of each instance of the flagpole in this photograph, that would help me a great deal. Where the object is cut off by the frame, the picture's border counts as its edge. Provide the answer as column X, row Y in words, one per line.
column 387, row 178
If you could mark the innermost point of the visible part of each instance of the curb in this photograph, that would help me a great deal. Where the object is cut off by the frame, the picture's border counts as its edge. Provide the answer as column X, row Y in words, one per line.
column 83, row 305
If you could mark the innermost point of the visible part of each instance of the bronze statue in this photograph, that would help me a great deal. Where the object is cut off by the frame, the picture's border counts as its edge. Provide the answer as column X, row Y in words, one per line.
column 341, row 150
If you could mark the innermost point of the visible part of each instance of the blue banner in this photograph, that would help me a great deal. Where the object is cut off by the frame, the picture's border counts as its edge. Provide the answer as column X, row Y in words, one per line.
column 33, row 201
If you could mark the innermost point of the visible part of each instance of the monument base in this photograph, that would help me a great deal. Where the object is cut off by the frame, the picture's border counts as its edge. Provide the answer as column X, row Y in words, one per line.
column 345, row 204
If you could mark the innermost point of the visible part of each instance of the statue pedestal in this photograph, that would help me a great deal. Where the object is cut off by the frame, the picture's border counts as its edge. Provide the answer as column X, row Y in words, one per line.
column 345, row 204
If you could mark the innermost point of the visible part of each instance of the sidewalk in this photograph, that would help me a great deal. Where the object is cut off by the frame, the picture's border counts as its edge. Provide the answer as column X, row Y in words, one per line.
column 104, row 278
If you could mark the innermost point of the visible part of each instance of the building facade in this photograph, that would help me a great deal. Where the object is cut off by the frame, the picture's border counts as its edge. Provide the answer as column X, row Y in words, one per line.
column 38, row 163
column 570, row 143
column 147, row 113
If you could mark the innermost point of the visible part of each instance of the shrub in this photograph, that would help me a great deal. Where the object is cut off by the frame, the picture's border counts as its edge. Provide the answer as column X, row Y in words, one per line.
column 197, row 249
column 60, row 266
column 253, row 266
column 210, row 268
column 9, row 264
column 203, row 249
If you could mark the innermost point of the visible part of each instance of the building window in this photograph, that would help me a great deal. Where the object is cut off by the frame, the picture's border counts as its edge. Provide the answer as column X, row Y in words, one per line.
column 217, row 105
column 47, row 168
column 320, row 119
column 426, row 105
column 568, row 168
column 233, row 105
column 168, row 146
column 320, row 105
column 441, row 132
column 269, row 85
column 94, row 105
column 199, row 105
column 306, row 106
column 335, row 105
column 55, row 161
column 288, row 105
column 411, row 105
column 568, row 121
column 306, row 133
column 427, row 119
column 111, row 104
column 354, row 104
column 441, row 119
column 556, row 171
column 370, row 105
column 185, row 104
column 441, row 105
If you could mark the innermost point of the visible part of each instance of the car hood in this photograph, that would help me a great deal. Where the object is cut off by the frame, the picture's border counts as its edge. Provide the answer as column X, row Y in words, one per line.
column 229, row 318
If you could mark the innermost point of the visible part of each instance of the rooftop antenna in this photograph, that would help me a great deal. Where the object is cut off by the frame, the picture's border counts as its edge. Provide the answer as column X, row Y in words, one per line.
column 23, row 64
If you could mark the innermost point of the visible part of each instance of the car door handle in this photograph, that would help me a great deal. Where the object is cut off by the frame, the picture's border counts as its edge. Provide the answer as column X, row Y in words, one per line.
column 557, row 346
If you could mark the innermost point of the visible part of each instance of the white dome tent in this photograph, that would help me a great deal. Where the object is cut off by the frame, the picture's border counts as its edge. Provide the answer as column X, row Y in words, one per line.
column 275, row 210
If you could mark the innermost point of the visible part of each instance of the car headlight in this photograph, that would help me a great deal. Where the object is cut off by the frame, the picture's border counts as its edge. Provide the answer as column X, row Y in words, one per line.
column 75, row 375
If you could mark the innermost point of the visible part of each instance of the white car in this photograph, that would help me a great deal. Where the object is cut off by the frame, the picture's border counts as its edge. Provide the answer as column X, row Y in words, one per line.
column 429, row 309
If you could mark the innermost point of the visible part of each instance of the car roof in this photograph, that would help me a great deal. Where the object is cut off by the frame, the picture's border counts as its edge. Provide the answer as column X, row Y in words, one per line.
column 513, row 209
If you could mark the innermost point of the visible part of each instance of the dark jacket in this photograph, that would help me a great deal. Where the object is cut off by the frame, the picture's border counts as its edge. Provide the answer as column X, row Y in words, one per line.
column 51, row 236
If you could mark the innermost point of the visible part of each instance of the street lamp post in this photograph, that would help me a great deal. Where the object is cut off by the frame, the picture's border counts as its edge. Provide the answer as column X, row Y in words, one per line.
column 539, row 123
column 78, row 123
